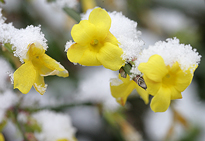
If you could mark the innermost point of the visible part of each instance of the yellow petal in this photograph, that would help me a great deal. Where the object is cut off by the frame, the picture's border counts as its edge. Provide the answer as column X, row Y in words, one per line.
column 183, row 80
column 112, row 39
column 102, row 21
column 122, row 91
column 45, row 66
column 35, row 50
column 110, row 56
column 83, row 33
column 152, row 86
column 24, row 77
column 154, row 69
column 84, row 55
column 43, row 63
column 75, row 52
column 143, row 94
column 161, row 101
column 57, row 68
column 39, row 84
column 175, row 94
column 89, row 57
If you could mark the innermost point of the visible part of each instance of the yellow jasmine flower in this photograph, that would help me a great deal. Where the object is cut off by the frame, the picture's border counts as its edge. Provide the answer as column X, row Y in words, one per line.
column 37, row 65
column 95, row 45
column 165, row 83
column 1, row 137
column 123, row 90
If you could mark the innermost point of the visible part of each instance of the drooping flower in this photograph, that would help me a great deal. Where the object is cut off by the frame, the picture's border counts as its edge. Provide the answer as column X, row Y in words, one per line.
column 37, row 65
column 164, row 82
column 121, row 88
column 94, row 44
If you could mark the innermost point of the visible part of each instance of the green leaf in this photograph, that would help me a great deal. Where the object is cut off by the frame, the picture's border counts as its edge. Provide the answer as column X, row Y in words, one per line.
column 72, row 13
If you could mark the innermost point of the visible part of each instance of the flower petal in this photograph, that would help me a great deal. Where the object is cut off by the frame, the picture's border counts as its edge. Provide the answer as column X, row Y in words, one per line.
column 152, row 86
column 175, row 94
column 155, row 69
column 161, row 101
column 45, row 66
column 39, row 84
column 122, row 91
column 24, row 77
column 111, row 38
column 89, row 58
column 143, row 94
column 75, row 52
column 83, row 32
column 84, row 55
column 183, row 80
column 102, row 21
column 110, row 56
column 35, row 50
column 57, row 68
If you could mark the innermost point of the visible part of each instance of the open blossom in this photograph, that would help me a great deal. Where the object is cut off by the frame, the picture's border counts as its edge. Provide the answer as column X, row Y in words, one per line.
column 165, row 83
column 95, row 44
column 121, row 88
column 37, row 65
column 167, row 69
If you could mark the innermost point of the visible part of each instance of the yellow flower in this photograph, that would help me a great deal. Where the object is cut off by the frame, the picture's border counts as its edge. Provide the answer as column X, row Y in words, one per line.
column 122, row 91
column 1, row 137
column 165, row 83
column 95, row 45
column 37, row 65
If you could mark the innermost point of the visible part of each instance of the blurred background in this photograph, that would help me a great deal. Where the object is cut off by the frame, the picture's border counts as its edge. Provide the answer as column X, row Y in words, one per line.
column 95, row 114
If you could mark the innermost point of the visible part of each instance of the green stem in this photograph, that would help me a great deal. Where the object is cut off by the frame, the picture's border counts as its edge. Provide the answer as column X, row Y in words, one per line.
column 73, row 14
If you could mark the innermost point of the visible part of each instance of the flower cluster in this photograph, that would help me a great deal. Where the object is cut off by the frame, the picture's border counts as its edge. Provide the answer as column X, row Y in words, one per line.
column 112, row 40
column 109, row 39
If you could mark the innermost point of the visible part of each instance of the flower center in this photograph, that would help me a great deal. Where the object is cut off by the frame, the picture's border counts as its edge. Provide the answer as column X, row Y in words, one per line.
column 167, row 76
column 94, row 42
column 168, row 80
